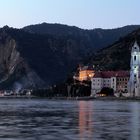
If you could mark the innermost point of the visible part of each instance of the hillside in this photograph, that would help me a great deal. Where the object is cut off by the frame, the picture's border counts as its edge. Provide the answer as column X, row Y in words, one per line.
column 116, row 56
column 35, row 60
column 32, row 59
column 94, row 39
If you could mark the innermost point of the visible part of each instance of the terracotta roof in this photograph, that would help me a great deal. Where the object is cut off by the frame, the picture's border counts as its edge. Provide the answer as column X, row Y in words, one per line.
column 109, row 74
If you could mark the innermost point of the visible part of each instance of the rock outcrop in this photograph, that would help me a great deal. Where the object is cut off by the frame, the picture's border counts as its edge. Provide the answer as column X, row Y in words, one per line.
column 15, row 72
column 32, row 59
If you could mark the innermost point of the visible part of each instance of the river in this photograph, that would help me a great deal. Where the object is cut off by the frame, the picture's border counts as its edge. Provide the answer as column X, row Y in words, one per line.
column 41, row 119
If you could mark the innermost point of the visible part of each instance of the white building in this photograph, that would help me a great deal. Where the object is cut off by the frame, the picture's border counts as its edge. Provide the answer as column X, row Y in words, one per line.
column 134, row 82
column 117, row 80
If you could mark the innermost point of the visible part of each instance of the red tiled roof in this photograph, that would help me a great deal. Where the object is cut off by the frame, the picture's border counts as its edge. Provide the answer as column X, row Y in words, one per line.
column 109, row 74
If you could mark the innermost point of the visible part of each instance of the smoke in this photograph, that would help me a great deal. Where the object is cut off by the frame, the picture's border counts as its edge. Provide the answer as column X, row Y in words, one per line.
column 17, row 87
column 27, row 82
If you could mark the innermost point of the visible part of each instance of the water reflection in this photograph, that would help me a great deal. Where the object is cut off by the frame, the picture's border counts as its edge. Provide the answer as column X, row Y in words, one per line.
column 135, row 121
column 69, row 120
column 85, row 120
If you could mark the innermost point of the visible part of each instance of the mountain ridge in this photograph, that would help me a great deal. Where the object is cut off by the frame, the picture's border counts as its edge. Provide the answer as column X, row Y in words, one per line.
column 41, row 60
column 116, row 56
column 96, row 38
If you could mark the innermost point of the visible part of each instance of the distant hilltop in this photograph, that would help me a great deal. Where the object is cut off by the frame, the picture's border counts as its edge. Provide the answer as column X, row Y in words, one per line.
column 116, row 56
column 45, row 54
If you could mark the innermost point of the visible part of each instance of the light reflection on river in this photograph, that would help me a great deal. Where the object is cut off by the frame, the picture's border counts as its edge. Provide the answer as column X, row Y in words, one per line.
column 85, row 120
column 40, row 119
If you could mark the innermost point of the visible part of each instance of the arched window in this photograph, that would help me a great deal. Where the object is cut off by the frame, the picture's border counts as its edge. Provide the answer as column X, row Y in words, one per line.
column 134, row 58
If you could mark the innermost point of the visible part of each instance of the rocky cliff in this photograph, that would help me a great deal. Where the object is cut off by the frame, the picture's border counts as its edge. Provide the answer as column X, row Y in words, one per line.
column 33, row 59
column 15, row 72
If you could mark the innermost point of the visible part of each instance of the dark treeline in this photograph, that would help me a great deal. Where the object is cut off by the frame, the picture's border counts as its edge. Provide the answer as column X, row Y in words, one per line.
column 69, row 89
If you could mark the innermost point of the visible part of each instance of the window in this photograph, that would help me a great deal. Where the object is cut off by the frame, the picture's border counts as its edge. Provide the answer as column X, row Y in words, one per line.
column 134, row 58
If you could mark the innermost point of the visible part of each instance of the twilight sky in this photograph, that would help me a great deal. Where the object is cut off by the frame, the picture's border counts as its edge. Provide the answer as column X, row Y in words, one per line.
column 87, row 14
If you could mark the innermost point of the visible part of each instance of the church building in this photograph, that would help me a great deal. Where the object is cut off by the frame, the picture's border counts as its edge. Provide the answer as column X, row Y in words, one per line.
column 134, row 81
column 120, row 81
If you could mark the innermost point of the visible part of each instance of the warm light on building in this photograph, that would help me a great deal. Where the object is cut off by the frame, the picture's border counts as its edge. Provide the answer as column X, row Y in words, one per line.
column 85, row 74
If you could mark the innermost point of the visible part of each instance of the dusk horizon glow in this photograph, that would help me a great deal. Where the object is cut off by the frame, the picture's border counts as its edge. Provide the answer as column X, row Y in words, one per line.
column 86, row 14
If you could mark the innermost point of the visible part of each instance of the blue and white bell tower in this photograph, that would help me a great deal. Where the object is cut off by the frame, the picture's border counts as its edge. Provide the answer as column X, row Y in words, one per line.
column 134, row 82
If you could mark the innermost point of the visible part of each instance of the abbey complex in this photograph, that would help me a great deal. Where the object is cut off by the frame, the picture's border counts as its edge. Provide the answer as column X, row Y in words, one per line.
column 120, row 81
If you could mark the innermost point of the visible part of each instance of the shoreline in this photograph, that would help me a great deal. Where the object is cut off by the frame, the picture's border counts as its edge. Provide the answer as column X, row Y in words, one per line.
column 75, row 98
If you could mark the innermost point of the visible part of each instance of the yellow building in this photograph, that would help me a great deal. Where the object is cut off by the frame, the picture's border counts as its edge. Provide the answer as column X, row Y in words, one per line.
column 85, row 73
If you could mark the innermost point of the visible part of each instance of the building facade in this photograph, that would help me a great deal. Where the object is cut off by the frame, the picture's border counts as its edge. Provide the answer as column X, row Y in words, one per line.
column 117, row 80
column 134, row 82
column 85, row 73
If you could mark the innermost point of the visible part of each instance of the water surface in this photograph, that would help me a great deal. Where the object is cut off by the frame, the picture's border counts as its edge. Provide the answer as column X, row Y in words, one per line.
column 41, row 119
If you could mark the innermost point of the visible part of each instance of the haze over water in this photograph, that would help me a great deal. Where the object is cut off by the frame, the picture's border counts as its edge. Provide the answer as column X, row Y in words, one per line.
column 38, row 119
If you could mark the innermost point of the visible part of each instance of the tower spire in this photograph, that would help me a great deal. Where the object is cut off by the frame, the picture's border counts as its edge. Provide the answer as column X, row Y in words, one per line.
column 134, row 83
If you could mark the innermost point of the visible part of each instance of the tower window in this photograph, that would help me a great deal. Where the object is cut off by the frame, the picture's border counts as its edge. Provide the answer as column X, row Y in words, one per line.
column 134, row 58
column 135, row 48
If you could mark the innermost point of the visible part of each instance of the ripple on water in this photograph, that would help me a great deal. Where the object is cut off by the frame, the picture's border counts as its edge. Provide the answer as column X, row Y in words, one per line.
column 38, row 119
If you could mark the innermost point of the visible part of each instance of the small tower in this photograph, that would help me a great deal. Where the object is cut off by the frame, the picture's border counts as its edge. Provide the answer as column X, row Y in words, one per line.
column 134, row 83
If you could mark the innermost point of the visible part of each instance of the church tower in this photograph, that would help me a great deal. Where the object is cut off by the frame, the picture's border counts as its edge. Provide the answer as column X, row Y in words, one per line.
column 134, row 82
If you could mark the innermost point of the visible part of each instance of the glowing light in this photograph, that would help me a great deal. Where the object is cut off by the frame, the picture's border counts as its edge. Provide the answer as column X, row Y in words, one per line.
column 86, row 74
